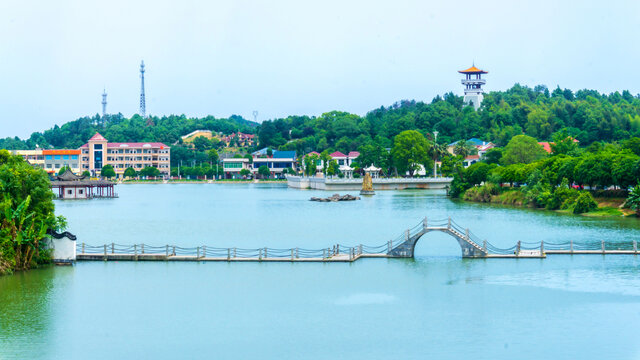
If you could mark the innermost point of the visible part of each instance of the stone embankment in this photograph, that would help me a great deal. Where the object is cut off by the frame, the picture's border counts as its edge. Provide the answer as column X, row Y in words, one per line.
column 336, row 197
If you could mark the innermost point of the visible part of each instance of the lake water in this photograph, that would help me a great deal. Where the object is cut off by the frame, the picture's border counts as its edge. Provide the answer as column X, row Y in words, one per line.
column 434, row 306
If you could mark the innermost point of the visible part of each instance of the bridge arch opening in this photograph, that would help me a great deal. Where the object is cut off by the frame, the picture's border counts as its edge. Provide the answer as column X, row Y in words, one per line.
column 437, row 244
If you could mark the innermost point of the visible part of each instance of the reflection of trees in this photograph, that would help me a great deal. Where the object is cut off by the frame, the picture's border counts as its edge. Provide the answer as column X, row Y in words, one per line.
column 25, row 311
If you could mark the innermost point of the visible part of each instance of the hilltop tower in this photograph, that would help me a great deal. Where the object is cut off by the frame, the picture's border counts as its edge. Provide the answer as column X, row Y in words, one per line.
column 143, row 106
column 104, row 103
column 473, row 81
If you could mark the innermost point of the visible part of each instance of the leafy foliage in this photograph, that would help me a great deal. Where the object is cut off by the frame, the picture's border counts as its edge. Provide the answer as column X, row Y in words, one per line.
column 26, row 212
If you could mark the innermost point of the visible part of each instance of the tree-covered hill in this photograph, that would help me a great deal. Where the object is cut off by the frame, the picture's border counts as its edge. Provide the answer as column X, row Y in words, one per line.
column 586, row 115
column 117, row 128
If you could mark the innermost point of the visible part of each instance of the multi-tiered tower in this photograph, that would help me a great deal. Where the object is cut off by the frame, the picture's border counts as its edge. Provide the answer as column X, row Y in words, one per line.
column 143, row 105
column 473, row 82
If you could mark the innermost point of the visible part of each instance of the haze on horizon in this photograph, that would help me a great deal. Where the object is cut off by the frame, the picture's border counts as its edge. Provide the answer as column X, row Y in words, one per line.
column 292, row 57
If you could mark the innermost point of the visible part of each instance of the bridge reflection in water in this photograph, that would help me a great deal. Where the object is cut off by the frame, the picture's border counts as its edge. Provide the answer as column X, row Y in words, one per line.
column 402, row 247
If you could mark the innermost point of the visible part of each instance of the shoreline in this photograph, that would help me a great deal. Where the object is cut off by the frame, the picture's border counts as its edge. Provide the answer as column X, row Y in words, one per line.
column 134, row 182
column 600, row 212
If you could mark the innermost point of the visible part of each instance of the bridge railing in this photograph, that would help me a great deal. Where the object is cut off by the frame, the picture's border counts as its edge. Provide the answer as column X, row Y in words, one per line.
column 235, row 252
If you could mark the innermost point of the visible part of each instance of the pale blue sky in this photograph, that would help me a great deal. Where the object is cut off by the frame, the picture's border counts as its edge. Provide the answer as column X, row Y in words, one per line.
column 296, row 57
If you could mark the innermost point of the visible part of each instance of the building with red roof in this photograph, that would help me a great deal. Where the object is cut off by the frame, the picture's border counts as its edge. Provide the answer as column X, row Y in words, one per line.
column 98, row 152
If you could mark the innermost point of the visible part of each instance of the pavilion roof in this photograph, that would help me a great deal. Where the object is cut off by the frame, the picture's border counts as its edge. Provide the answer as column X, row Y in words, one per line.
column 473, row 70
column 69, row 176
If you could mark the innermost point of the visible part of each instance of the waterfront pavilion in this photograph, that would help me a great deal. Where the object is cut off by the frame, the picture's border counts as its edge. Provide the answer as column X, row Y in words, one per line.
column 373, row 171
column 71, row 186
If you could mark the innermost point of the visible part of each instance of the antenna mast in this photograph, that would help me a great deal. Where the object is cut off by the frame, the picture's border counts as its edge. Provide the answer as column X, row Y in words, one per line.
column 143, row 106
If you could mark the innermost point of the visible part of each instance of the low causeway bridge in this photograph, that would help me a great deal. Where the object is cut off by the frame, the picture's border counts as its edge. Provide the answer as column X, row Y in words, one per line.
column 401, row 247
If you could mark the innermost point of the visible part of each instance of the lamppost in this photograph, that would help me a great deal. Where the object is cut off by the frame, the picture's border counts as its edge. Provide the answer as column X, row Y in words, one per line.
column 435, row 153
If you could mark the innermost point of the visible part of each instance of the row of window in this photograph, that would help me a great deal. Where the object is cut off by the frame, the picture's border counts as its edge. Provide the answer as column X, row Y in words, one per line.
column 58, row 166
column 61, row 157
column 138, row 158
column 270, row 165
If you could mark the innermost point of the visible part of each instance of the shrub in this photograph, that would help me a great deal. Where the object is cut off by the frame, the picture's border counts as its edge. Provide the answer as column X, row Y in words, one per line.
column 584, row 203
column 512, row 197
column 481, row 193
column 633, row 201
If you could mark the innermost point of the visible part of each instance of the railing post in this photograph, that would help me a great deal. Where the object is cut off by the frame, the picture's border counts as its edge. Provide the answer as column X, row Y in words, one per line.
column 234, row 253
column 635, row 246
column 351, row 254
column 198, row 253
column 135, row 249
column 571, row 246
column 204, row 251
column 484, row 246
column 142, row 248
column 389, row 246
column 408, row 234
column 105, row 251
column 338, row 249
column 466, row 234
column 424, row 223
column 260, row 254
column 83, row 248
column 602, row 242
column 518, row 249
column 360, row 249
column 323, row 254
column 542, row 247
column 174, row 250
column 167, row 250
column 228, row 253
column 291, row 254
column 297, row 256
column 112, row 248
column 449, row 222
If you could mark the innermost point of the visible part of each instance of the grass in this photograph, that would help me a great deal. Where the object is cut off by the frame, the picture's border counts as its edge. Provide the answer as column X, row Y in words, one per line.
column 605, row 211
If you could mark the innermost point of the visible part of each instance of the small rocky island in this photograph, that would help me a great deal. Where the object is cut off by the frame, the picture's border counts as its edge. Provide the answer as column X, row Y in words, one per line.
column 336, row 197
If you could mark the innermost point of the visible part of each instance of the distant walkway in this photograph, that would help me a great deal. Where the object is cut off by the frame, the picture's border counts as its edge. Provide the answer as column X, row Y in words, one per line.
column 401, row 247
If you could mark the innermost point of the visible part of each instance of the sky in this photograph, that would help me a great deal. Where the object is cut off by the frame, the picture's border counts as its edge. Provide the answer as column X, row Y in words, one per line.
column 296, row 57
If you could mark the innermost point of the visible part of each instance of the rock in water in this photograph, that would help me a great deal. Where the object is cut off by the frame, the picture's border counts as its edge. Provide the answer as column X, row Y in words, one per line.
column 336, row 198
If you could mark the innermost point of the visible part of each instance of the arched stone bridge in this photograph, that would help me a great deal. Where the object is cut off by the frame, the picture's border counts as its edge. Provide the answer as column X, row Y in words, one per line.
column 404, row 247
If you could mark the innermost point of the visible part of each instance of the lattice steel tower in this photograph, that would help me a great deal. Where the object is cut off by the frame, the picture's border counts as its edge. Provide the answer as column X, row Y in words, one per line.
column 143, row 107
column 104, row 103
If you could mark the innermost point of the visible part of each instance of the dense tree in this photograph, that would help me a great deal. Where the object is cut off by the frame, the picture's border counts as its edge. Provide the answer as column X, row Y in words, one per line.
column 264, row 171
column 245, row 172
column 149, row 171
column 107, row 171
column 410, row 149
column 522, row 149
column 26, row 213
column 130, row 172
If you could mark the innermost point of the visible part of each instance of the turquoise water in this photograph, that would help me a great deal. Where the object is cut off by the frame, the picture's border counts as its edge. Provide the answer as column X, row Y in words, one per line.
column 435, row 306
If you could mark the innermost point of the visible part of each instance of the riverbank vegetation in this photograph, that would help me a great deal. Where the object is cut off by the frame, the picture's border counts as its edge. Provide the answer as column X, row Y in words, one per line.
column 569, row 179
column 26, row 213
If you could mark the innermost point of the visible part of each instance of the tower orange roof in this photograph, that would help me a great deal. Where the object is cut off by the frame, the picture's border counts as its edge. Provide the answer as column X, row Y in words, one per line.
column 97, row 137
column 473, row 70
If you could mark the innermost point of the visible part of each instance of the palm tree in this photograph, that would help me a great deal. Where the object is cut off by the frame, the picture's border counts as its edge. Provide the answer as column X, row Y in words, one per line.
column 633, row 201
column 437, row 151
column 462, row 148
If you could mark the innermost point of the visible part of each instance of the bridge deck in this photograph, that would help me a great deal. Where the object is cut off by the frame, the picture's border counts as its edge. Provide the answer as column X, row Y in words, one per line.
column 162, row 257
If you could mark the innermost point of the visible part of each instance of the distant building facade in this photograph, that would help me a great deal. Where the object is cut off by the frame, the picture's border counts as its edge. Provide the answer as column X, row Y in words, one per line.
column 98, row 152
column 33, row 157
column 277, row 162
column 54, row 160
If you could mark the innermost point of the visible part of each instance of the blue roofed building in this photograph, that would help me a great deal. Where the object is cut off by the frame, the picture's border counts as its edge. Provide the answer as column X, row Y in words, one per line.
column 277, row 163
